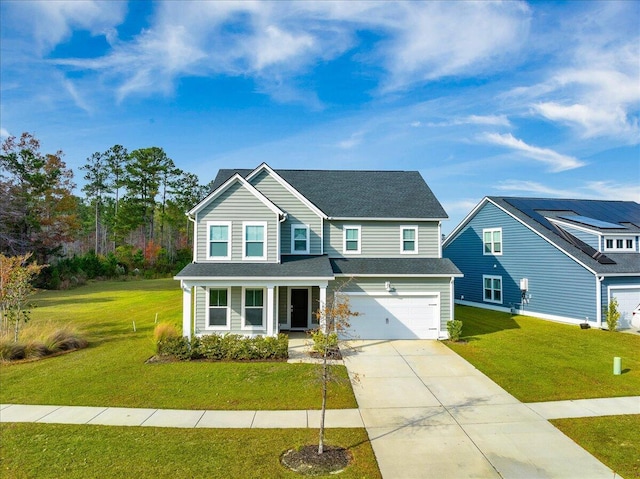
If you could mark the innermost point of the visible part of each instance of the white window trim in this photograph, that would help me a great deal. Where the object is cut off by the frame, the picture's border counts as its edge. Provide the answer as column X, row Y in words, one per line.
column 492, row 277
column 624, row 239
column 293, row 228
column 207, row 327
column 344, row 239
column 244, row 240
column 249, row 327
column 218, row 223
column 493, row 253
column 415, row 240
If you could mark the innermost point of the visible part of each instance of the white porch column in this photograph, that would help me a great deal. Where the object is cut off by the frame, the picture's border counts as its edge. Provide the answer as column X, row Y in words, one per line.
column 186, row 310
column 323, row 303
column 270, row 309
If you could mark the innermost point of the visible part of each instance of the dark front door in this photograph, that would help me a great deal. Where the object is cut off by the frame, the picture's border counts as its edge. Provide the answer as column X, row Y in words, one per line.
column 299, row 308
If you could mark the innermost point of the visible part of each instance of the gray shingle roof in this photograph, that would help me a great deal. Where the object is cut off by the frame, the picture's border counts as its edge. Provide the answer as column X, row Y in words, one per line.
column 532, row 212
column 394, row 266
column 360, row 194
column 291, row 267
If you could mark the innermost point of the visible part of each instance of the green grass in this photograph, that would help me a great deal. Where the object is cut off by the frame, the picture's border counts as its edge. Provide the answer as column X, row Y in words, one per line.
column 112, row 370
column 538, row 360
column 614, row 440
column 79, row 451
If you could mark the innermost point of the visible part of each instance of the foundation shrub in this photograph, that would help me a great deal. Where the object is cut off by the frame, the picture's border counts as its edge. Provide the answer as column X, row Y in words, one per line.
column 227, row 347
column 455, row 329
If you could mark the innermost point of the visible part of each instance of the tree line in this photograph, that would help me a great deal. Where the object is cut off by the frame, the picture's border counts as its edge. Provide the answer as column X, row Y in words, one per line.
column 132, row 214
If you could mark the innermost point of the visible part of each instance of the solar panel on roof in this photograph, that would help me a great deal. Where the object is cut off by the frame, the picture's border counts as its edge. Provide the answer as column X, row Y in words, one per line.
column 585, row 220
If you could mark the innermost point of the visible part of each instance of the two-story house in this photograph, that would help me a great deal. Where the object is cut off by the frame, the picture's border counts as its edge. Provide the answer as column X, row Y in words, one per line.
column 559, row 259
column 270, row 245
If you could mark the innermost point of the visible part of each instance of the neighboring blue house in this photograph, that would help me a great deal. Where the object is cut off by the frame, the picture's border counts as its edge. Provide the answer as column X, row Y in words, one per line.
column 272, row 245
column 558, row 259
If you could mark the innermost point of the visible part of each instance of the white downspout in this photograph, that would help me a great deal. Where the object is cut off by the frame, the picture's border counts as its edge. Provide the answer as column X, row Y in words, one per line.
column 599, row 300
column 195, row 237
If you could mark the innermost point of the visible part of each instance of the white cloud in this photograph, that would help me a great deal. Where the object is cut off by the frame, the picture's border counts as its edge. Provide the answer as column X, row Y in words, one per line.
column 557, row 162
column 4, row 133
column 492, row 120
column 600, row 190
column 354, row 140
column 52, row 22
column 274, row 41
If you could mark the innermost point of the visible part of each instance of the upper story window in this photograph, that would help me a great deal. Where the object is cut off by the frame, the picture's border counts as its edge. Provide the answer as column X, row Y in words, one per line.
column 254, row 240
column 219, row 240
column 619, row 244
column 300, row 239
column 492, row 239
column 409, row 239
column 351, row 239
column 218, row 309
column 253, row 308
column 492, row 289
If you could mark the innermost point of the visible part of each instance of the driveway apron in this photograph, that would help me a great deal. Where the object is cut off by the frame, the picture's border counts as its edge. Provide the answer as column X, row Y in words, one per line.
column 430, row 413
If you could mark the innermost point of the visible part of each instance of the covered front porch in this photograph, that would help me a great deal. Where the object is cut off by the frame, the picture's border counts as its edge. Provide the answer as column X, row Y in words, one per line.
column 254, row 299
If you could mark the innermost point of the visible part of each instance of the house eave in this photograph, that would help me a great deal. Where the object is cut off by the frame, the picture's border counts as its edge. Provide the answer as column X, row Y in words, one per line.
column 380, row 275
column 368, row 218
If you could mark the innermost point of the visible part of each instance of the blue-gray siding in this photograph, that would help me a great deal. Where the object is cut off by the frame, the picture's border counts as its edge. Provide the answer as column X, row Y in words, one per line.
column 591, row 239
column 558, row 285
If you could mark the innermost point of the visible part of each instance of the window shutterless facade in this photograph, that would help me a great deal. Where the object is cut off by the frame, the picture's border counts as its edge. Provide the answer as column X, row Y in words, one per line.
column 253, row 310
column 219, row 240
column 300, row 239
column 409, row 239
column 619, row 244
column 351, row 239
column 218, row 311
column 492, row 288
column 254, row 240
column 492, row 241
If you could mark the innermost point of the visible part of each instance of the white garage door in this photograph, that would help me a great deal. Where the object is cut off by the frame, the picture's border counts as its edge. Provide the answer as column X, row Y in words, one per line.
column 395, row 317
column 628, row 301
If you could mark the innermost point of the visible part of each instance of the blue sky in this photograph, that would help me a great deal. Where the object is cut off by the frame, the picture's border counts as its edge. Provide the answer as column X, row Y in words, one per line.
column 483, row 98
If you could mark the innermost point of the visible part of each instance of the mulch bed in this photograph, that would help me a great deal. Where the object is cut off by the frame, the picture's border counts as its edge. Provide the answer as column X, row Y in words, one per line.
column 308, row 462
column 331, row 354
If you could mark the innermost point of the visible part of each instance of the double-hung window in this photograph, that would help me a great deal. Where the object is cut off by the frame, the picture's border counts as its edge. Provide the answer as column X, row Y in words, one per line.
column 219, row 240
column 492, row 239
column 492, row 288
column 351, row 239
column 299, row 239
column 253, row 308
column 409, row 239
column 254, row 240
column 623, row 244
column 218, row 308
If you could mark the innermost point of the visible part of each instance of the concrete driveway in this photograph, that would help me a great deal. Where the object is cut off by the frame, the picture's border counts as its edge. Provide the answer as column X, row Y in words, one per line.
column 430, row 413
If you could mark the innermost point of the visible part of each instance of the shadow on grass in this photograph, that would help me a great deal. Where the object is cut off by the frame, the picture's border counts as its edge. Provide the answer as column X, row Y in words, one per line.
column 478, row 326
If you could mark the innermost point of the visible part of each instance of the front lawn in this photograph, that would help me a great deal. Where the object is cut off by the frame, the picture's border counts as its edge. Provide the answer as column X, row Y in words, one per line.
column 112, row 370
column 81, row 451
column 614, row 440
column 538, row 360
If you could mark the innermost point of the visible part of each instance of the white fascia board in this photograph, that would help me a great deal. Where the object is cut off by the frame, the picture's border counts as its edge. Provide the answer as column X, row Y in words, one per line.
column 357, row 218
column 543, row 237
column 288, row 187
column 256, row 278
column 451, row 236
column 222, row 188
column 393, row 275
column 571, row 225
column 613, row 275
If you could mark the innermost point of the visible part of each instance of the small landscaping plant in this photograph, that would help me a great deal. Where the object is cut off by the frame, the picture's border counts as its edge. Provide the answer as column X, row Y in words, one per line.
column 228, row 347
column 39, row 344
column 454, row 328
column 612, row 315
column 324, row 342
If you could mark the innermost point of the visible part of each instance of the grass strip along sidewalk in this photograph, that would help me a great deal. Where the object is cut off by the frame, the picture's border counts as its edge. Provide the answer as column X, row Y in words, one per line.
column 112, row 370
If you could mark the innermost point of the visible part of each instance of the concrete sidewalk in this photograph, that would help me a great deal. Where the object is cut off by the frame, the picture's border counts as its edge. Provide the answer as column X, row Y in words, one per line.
column 117, row 416
column 430, row 413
